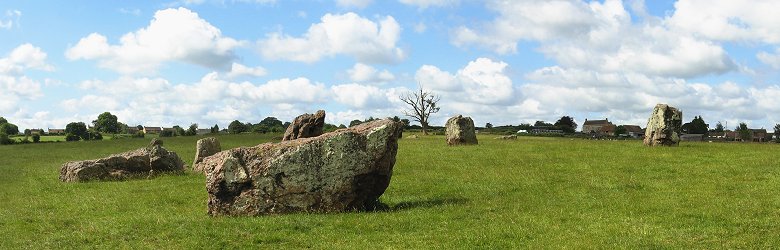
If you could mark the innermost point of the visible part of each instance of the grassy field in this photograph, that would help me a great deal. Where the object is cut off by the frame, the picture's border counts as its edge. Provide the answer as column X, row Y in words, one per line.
column 529, row 193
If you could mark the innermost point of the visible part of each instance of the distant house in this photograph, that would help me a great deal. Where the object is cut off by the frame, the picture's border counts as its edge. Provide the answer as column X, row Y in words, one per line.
column 522, row 131
column 37, row 131
column 599, row 127
column 203, row 131
column 152, row 130
column 56, row 131
column 760, row 135
column 756, row 135
column 634, row 131
column 132, row 130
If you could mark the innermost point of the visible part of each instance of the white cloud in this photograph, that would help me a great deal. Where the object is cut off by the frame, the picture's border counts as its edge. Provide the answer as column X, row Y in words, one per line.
column 771, row 59
column 173, row 35
column 360, row 96
column 14, row 84
column 729, row 20
column 12, row 19
column 363, row 73
column 91, row 103
column 424, row 4
column 239, row 70
column 482, row 81
column 598, row 36
column 25, row 56
column 354, row 3
column 347, row 34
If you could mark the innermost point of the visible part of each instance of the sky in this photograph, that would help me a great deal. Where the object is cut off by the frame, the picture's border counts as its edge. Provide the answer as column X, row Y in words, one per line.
column 158, row 63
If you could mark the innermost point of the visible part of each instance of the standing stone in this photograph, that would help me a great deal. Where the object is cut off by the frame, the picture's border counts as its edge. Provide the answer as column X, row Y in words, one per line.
column 460, row 130
column 305, row 126
column 204, row 148
column 139, row 163
column 664, row 126
column 344, row 170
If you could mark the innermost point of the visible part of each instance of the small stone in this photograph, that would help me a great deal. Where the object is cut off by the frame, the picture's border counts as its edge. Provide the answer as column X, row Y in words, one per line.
column 460, row 131
column 305, row 126
column 204, row 148
column 507, row 137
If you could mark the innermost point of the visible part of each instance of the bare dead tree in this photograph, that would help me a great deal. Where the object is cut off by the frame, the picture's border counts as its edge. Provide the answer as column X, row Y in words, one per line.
column 422, row 104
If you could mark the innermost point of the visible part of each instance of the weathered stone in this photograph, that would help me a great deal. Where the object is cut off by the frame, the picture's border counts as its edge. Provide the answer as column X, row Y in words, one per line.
column 664, row 126
column 344, row 170
column 460, row 130
column 507, row 137
column 305, row 126
column 413, row 137
column 203, row 148
column 139, row 163
column 155, row 142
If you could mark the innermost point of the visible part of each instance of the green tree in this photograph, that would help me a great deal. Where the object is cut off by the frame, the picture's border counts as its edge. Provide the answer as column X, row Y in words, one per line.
column 72, row 137
column 106, row 123
column 355, row 123
column 744, row 133
column 567, row 124
column 405, row 122
column 215, row 129
column 696, row 126
column 192, row 130
column 777, row 133
column 620, row 130
column 93, row 135
column 178, row 130
column 236, row 127
column 488, row 125
column 78, row 129
column 718, row 128
column 542, row 124
column 36, row 137
column 5, row 139
column 167, row 133
column 8, row 128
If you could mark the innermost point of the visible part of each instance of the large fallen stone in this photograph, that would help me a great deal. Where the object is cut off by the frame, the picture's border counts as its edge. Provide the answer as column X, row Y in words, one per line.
column 203, row 148
column 305, row 126
column 344, row 170
column 664, row 126
column 460, row 131
column 139, row 163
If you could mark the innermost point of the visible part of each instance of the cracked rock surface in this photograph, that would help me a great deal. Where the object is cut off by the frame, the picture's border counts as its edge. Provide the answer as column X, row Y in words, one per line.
column 344, row 170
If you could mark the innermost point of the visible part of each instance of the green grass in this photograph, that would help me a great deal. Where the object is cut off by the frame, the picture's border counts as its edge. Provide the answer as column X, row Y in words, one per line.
column 529, row 193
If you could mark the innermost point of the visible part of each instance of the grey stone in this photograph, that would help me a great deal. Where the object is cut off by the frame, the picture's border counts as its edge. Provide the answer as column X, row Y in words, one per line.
column 507, row 137
column 203, row 148
column 664, row 126
column 344, row 170
column 139, row 163
column 460, row 131
column 305, row 126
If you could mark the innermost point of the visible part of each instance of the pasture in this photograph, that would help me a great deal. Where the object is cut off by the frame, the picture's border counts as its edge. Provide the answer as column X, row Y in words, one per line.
column 529, row 193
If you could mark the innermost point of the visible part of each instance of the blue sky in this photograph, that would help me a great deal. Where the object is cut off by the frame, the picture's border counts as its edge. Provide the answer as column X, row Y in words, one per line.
column 504, row 62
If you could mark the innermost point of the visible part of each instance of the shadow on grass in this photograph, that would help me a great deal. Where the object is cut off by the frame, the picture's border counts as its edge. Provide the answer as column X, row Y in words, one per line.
column 429, row 203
